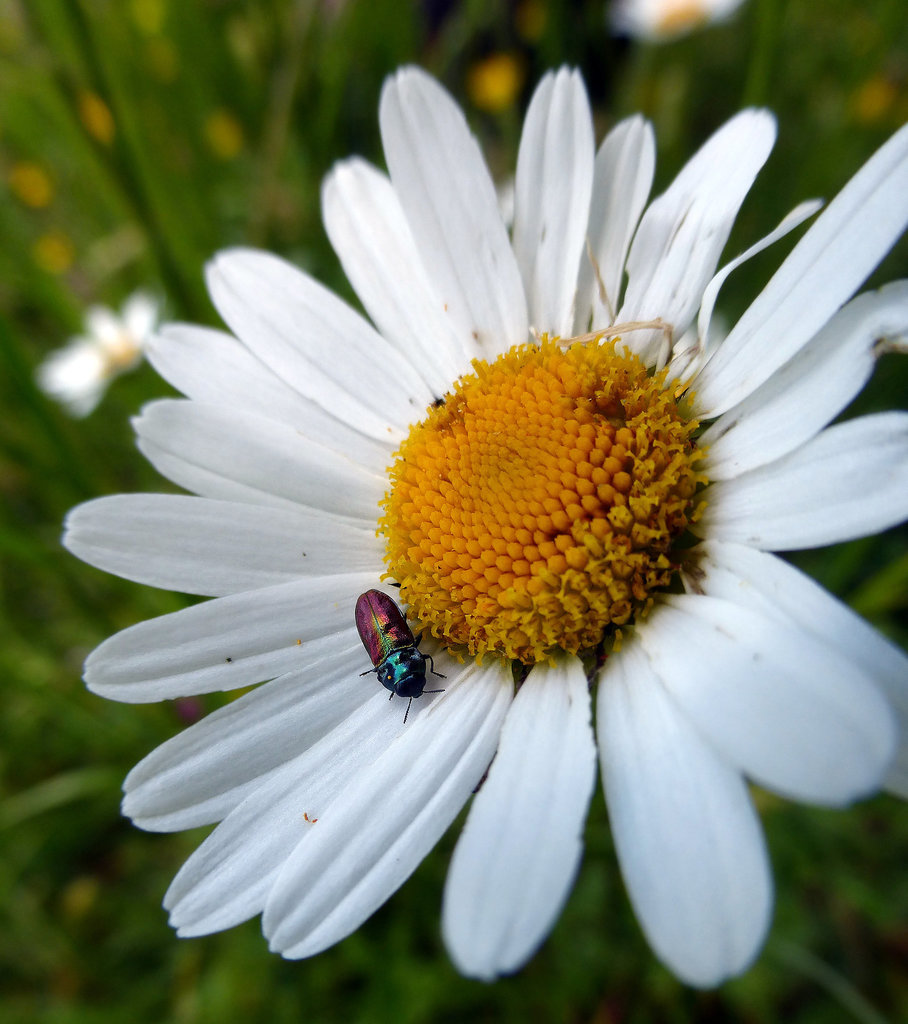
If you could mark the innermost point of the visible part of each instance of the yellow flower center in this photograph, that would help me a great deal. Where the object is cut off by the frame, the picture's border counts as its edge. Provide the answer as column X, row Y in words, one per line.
column 535, row 509
column 677, row 16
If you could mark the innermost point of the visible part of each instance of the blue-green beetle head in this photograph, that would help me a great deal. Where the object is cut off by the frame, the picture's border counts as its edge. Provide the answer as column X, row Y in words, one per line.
column 404, row 672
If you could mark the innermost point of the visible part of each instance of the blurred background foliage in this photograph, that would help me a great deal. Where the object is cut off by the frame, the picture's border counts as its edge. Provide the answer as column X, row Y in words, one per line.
column 137, row 137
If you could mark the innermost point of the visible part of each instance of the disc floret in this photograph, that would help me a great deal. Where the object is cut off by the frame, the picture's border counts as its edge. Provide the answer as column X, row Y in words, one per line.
column 536, row 509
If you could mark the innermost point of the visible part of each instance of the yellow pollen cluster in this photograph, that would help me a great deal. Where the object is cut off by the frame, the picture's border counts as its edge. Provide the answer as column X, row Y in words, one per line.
column 537, row 507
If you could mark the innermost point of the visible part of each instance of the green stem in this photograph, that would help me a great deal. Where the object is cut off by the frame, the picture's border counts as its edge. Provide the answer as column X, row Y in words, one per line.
column 765, row 48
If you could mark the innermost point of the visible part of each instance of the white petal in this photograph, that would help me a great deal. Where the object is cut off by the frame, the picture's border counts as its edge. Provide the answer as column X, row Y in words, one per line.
column 214, row 368
column 370, row 234
column 102, row 324
column 450, row 202
column 201, row 546
column 683, row 231
column 688, row 840
column 229, row 877
column 226, row 642
column 371, row 838
column 316, row 343
column 851, row 480
column 810, row 390
column 552, row 199
column 222, row 453
column 759, row 580
column 773, row 700
column 788, row 223
column 622, row 178
column 200, row 775
column 75, row 375
column 516, row 860
column 140, row 314
column 823, row 271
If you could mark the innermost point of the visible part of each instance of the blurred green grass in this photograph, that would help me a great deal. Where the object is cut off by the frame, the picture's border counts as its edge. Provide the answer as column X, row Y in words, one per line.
column 164, row 130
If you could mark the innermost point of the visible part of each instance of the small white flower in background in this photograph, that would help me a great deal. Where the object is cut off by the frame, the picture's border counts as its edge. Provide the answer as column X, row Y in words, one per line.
column 566, row 504
column 113, row 343
column 662, row 20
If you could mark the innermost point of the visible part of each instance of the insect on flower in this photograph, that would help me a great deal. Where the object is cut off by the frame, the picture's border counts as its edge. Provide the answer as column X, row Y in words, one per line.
column 397, row 660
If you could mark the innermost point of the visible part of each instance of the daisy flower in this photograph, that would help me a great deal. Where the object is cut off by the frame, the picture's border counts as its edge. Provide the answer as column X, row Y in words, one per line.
column 661, row 20
column 570, row 506
column 77, row 375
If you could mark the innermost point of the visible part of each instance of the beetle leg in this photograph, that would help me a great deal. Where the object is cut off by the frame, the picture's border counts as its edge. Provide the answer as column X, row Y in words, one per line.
column 428, row 658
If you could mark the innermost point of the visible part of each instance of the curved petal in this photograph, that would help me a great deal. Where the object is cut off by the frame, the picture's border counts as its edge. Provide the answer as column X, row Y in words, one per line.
column 219, row 452
column 230, row 876
column 226, row 642
column 851, row 480
column 711, row 292
column 201, row 546
column 316, row 343
column 683, row 231
column 518, row 855
column 200, row 775
column 451, row 206
column 823, row 271
column 773, row 700
column 810, row 390
column 775, row 588
column 374, row 834
column 687, row 837
column 552, row 199
column 622, row 178
column 214, row 368
column 370, row 234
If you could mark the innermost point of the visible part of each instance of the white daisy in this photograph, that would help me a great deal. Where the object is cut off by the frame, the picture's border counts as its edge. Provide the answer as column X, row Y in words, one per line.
column 661, row 20
column 77, row 375
column 539, row 508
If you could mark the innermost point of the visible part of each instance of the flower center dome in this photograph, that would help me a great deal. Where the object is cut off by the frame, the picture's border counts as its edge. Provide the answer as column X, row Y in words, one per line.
column 535, row 509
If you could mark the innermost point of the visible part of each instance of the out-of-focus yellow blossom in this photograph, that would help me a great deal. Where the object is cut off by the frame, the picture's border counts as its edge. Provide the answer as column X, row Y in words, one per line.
column 80, row 896
column 31, row 184
column 54, row 252
column 96, row 117
column 494, row 82
column 873, row 100
column 224, row 134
